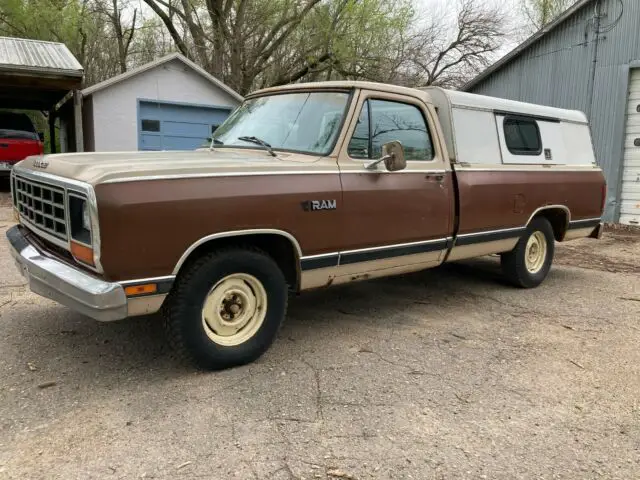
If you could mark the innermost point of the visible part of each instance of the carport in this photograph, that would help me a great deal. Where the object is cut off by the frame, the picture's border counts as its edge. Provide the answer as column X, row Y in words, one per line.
column 37, row 75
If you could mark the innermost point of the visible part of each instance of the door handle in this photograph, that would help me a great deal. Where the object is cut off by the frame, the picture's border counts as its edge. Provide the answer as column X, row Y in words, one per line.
column 4, row 145
column 438, row 177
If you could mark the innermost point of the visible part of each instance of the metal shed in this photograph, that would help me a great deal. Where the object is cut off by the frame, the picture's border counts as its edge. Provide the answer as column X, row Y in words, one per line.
column 588, row 59
column 37, row 75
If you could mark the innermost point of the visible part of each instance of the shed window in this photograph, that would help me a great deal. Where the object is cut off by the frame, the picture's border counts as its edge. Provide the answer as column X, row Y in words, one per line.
column 522, row 136
column 150, row 125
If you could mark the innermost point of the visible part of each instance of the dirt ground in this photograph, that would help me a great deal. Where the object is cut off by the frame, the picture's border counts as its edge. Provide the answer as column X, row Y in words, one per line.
column 444, row 374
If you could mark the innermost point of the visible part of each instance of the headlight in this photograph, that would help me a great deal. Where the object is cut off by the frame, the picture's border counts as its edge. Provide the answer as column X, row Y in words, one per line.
column 79, row 219
column 80, row 223
column 86, row 217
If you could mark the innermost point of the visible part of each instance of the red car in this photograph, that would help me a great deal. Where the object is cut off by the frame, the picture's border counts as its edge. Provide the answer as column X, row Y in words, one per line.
column 18, row 140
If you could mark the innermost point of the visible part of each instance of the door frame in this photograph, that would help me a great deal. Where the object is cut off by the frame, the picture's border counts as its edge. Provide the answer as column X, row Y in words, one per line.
column 402, row 256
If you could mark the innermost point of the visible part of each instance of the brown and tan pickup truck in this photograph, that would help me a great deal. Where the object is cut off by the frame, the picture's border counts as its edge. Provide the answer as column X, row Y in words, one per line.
column 304, row 186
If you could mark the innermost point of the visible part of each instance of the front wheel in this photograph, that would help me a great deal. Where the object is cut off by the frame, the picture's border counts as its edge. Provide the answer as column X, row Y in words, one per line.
column 226, row 308
column 528, row 264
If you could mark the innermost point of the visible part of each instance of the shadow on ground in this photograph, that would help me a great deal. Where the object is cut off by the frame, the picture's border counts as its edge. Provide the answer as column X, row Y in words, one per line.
column 51, row 333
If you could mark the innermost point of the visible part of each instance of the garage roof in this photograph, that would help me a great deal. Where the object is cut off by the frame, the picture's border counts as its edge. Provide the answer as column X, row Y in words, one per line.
column 148, row 66
column 35, row 55
column 35, row 74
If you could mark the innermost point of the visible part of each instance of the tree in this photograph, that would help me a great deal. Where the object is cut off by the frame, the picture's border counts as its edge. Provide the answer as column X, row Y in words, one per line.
column 250, row 44
column 271, row 42
column 542, row 12
column 89, row 28
column 450, row 53
column 123, row 31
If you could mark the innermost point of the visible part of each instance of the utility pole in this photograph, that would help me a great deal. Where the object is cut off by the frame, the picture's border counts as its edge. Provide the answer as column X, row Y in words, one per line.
column 597, row 17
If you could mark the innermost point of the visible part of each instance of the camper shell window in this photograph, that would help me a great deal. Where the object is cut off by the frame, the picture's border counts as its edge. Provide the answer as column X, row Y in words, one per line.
column 522, row 136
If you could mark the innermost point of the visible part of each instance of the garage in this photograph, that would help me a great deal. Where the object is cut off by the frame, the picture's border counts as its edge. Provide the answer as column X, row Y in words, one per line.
column 630, row 202
column 168, row 104
column 171, row 126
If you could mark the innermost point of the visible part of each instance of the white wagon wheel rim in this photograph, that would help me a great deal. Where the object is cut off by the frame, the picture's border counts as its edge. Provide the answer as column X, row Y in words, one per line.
column 234, row 309
column 536, row 252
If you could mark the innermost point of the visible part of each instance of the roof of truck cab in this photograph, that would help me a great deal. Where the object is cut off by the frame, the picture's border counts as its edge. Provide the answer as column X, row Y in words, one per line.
column 494, row 104
column 345, row 85
column 455, row 98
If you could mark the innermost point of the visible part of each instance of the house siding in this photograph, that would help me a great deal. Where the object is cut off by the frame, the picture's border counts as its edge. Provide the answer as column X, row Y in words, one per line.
column 557, row 70
column 115, row 109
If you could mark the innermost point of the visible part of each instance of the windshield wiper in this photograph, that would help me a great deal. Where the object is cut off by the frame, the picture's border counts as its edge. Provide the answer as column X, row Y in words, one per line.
column 215, row 141
column 260, row 142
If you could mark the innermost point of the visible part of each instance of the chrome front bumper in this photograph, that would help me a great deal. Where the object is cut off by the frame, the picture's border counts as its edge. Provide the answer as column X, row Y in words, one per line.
column 65, row 284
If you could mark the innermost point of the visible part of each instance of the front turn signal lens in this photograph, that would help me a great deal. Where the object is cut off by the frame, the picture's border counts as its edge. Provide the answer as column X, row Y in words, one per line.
column 146, row 289
column 82, row 253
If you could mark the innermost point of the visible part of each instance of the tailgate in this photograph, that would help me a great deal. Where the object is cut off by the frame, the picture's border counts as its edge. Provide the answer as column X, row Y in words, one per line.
column 12, row 150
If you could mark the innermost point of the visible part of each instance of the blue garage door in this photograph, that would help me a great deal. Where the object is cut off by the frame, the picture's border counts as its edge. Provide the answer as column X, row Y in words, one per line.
column 166, row 126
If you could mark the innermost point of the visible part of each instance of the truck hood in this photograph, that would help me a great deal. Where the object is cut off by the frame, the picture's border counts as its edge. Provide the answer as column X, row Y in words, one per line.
column 95, row 168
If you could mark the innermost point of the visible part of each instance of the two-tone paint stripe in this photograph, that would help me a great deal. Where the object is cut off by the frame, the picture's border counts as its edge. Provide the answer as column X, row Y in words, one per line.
column 587, row 223
column 350, row 257
column 362, row 255
column 488, row 236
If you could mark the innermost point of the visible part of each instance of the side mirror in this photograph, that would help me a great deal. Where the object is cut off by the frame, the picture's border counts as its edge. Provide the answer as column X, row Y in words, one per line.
column 41, row 136
column 393, row 153
column 392, row 156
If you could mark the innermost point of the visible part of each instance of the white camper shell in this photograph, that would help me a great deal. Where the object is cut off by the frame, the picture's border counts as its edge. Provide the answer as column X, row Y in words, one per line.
column 481, row 130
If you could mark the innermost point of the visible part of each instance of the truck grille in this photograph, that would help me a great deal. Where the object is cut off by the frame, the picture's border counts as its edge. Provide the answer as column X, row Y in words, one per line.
column 42, row 205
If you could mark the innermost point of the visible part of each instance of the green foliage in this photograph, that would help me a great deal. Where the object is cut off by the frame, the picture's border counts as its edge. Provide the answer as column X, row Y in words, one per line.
column 542, row 12
column 53, row 20
column 250, row 44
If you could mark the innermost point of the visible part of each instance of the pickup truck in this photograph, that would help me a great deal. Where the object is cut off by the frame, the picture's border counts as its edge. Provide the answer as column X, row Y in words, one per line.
column 304, row 186
column 18, row 140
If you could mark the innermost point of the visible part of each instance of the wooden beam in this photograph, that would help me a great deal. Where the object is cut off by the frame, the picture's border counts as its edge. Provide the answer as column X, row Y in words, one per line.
column 77, row 120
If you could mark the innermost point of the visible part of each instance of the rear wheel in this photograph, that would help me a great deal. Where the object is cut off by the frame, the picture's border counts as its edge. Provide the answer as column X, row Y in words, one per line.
column 226, row 308
column 528, row 264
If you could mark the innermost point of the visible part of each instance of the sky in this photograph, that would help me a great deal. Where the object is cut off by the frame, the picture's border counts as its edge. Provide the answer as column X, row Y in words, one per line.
column 512, row 9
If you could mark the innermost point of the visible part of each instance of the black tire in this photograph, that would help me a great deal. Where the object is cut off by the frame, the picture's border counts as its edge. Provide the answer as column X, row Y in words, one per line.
column 186, row 329
column 514, row 264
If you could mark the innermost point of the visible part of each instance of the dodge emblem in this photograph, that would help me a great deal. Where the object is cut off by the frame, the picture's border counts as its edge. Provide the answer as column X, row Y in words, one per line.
column 40, row 162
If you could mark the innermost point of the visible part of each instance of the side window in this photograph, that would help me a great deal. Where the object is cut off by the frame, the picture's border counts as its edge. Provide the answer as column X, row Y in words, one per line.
column 522, row 136
column 359, row 144
column 402, row 122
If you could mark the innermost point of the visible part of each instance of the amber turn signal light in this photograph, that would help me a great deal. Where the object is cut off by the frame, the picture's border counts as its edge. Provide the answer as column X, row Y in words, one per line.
column 82, row 253
column 145, row 289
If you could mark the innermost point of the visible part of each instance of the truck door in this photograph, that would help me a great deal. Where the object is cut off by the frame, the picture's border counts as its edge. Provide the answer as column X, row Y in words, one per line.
column 393, row 222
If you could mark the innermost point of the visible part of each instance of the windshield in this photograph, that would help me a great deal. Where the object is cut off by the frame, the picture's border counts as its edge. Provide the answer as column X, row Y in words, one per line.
column 306, row 122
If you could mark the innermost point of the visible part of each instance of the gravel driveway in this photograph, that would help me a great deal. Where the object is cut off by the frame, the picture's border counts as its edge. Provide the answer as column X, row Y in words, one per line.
column 445, row 374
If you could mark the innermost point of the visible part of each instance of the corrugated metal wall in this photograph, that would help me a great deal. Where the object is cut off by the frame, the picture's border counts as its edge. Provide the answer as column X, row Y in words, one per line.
column 557, row 71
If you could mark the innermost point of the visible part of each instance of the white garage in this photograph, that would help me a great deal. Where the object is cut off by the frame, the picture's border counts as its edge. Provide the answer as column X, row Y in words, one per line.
column 169, row 104
column 630, row 196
